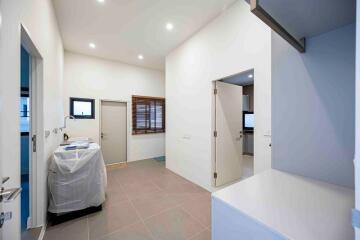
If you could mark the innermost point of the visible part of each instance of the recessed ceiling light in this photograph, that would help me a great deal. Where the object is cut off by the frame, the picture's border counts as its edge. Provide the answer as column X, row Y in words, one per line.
column 169, row 26
column 250, row 76
column 141, row 57
column 92, row 45
column 101, row 1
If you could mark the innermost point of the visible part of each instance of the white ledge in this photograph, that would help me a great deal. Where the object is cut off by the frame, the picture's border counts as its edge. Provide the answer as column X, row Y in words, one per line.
column 293, row 206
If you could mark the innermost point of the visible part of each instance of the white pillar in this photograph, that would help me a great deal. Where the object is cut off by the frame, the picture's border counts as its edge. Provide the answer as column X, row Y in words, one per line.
column 357, row 121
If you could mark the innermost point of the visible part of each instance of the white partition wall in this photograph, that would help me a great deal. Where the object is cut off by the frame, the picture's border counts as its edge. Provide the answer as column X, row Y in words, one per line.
column 234, row 42
column 38, row 18
column 313, row 101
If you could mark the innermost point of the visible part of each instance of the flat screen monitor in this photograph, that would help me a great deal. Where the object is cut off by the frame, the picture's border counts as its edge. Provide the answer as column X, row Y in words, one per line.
column 248, row 120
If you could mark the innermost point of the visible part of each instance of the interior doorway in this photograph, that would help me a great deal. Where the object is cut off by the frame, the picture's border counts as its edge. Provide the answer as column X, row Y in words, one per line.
column 233, row 128
column 114, row 131
column 32, row 137
column 25, row 121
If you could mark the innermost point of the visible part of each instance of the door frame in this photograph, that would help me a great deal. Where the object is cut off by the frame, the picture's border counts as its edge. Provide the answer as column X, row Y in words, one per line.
column 128, row 133
column 213, row 126
column 213, row 129
column 36, row 176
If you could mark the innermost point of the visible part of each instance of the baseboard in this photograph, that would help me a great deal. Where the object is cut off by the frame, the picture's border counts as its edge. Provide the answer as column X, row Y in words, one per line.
column 248, row 154
column 116, row 166
column 42, row 233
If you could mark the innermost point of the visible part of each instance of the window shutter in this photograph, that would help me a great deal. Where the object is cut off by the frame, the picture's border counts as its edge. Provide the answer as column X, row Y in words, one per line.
column 148, row 115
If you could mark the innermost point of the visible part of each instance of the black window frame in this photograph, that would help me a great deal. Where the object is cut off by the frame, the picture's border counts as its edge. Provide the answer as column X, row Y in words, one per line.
column 247, row 129
column 75, row 99
column 25, row 93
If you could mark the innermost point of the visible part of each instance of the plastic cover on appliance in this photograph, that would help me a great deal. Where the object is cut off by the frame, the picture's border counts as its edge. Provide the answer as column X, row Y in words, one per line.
column 76, row 179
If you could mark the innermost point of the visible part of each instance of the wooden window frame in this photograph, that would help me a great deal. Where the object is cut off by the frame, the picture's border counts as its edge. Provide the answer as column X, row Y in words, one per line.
column 92, row 101
column 147, row 130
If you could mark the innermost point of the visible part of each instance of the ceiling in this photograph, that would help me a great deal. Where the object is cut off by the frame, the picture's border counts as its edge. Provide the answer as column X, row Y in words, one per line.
column 307, row 18
column 124, row 29
column 241, row 79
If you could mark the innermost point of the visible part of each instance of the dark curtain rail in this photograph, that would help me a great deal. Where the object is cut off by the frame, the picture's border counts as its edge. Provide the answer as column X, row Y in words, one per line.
column 274, row 25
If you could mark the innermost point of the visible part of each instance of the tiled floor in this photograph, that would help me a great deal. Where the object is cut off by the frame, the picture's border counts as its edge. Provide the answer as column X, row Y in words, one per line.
column 248, row 167
column 31, row 234
column 145, row 201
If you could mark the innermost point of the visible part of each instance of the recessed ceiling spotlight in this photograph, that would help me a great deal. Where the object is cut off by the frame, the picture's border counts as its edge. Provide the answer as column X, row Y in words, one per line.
column 141, row 57
column 250, row 76
column 92, row 45
column 169, row 26
column 101, row 1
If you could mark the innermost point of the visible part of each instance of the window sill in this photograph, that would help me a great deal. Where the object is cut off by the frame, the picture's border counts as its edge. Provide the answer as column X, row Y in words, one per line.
column 146, row 132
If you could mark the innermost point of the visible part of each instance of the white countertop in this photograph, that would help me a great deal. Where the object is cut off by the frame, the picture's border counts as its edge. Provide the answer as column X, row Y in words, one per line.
column 294, row 206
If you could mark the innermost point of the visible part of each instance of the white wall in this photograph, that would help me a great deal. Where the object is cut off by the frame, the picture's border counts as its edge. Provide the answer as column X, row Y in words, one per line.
column 314, row 107
column 234, row 42
column 39, row 19
column 90, row 77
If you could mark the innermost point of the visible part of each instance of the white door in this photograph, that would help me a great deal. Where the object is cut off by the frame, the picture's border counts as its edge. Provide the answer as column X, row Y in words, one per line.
column 113, row 131
column 228, row 127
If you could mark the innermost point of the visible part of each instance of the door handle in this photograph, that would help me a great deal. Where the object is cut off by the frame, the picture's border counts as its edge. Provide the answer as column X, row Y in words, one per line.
column 33, row 139
column 9, row 195
column 102, row 135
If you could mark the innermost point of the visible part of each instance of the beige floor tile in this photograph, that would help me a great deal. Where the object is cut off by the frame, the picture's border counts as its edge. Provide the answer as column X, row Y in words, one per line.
column 131, row 175
column 77, row 229
column 205, row 235
column 138, row 189
column 203, row 211
column 114, row 195
column 201, row 197
column 168, row 180
column 154, row 204
column 174, row 224
column 136, row 231
column 112, row 182
column 183, row 188
column 112, row 219
column 172, row 207
column 31, row 234
column 200, row 211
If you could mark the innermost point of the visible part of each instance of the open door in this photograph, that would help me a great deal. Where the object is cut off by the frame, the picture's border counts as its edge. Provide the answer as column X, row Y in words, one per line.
column 228, row 133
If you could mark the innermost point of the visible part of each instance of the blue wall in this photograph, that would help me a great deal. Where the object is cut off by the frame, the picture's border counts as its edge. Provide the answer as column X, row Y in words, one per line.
column 313, row 107
column 25, row 61
column 25, row 68
column 25, row 76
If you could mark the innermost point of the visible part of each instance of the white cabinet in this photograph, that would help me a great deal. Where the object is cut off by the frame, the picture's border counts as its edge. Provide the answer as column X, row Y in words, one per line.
column 277, row 205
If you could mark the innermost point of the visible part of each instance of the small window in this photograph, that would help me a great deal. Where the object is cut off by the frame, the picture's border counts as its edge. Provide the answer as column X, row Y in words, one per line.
column 24, row 112
column 148, row 115
column 82, row 108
